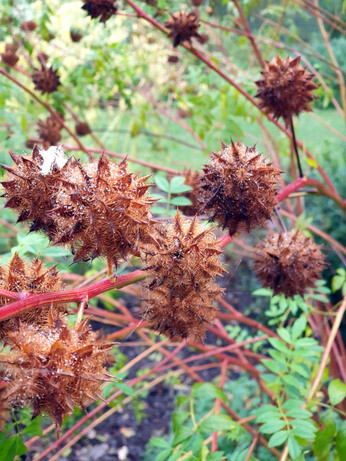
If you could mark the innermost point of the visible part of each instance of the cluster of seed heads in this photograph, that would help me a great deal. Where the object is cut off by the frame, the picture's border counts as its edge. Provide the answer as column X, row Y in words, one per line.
column 101, row 209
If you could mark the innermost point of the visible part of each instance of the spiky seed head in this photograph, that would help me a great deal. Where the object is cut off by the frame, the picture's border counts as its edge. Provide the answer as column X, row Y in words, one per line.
column 82, row 129
column 49, row 131
column 98, row 209
column 102, row 210
column 9, row 56
column 30, row 277
column 181, row 289
column 31, row 183
column 55, row 368
column 286, row 88
column 182, row 26
column 46, row 79
column 238, row 188
column 29, row 25
column 100, row 8
column 289, row 263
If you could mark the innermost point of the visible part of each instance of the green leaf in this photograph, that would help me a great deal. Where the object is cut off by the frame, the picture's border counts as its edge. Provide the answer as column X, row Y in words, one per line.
column 161, row 183
column 294, row 449
column 303, row 429
column 182, row 434
column 291, row 380
column 217, row 423
column 340, row 441
column 302, row 369
column 284, row 334
column 279, row 345
column 127, row 390
column 216, row 456
column 208, row 390
column 298, row 327
column 269, row 378
column 272, row 365
column 11, row 448
column 323, row 440
column 34, row 428
column 263, row 292
column 272, row 426
column 299, row 413
column 159, row 442
column 293, row 404
column 178, row 186
column 305, row 342
column 278, row 439
column 278, row 356
column 336, row 391
column 266, row 409
column 180, row 201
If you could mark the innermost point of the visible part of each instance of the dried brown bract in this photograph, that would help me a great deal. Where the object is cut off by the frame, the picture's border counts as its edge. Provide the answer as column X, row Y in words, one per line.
column 30, row 277
column 100, row 8
column 9, row 56
column 289, row 263
column 238, row 188
column 29, row 25
column 49, row 131
column 180, row 290
column 102, row 210
column 182, row 27
column 31, row 183
column 55, row 368
column 286, row 88
column 46, row 79
column 82, row 129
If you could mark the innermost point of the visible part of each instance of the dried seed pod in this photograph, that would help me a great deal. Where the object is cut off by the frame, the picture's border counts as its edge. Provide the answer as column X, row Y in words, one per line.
column 180, row 290
column 238, row 188
column 29, row 25
column 46, row 79
column 9, row 56
column 31, row 277
column 102, row 210
column 49, row 131
column 76, row 36
column 173, row 59
column 82, row 129
column 286, row 88
column 103, row 8
column 31, row 184
column 182, row 27
column 55, row 368
column 289, row 263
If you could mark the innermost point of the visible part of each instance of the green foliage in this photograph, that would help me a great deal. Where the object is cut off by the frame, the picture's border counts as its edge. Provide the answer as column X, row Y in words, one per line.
column 174, row 187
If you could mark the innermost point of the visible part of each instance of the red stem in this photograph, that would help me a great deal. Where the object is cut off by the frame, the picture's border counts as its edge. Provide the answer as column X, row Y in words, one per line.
column 78, row 294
